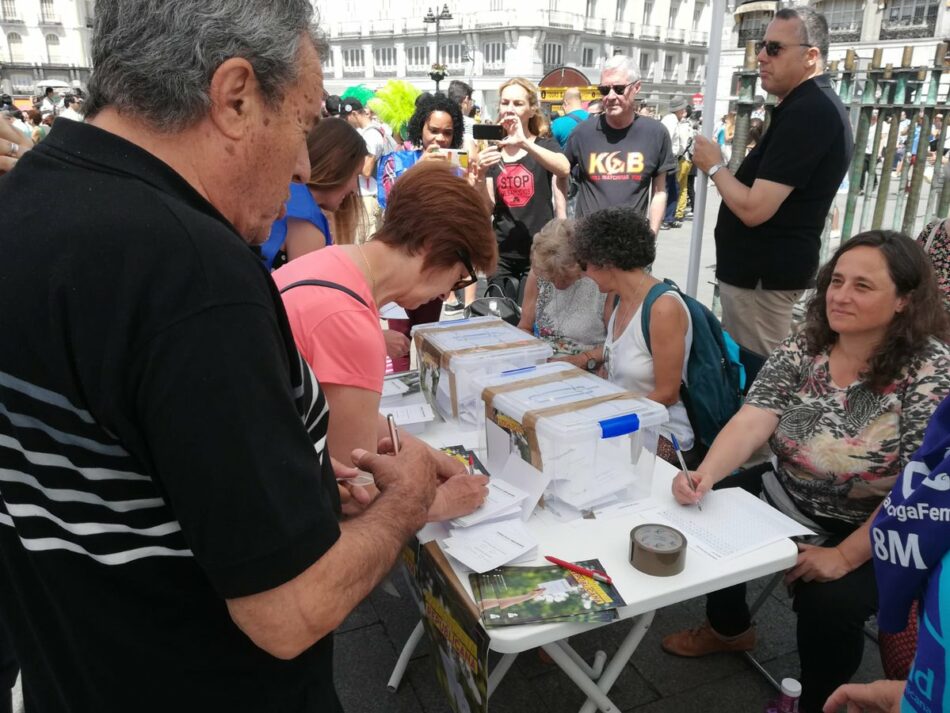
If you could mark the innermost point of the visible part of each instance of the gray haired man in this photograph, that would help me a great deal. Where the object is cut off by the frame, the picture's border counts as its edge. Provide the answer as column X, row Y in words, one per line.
column 621, row 158
column 169, row 531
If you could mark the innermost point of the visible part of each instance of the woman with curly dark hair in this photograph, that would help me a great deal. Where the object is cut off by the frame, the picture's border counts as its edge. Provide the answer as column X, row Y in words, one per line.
column 843, row 405
column 435, row 126
column 614, row 247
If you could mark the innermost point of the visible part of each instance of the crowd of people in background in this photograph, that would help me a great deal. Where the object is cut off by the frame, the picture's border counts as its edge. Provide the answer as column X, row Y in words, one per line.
column 35, row 122
column 211, row 384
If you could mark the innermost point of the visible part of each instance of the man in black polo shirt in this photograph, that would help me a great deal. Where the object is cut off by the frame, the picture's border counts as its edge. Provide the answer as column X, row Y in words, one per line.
column 773, row 210
column 169, row 535
column 618, row 157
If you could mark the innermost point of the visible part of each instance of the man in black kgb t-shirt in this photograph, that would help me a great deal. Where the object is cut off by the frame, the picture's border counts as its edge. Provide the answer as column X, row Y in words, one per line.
column 620, row 158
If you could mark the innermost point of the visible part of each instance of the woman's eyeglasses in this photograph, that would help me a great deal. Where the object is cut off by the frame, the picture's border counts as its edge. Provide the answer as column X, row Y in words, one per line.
column 467, row 264
column 618, row 89
column 773, row 48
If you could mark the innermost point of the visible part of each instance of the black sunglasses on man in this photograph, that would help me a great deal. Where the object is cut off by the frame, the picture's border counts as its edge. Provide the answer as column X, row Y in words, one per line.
column 773, row 48
column 618, row 89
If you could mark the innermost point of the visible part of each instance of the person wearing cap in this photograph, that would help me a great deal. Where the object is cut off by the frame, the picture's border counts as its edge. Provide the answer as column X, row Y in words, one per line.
column 773, row 211
column 677, row 124
column 377, row 144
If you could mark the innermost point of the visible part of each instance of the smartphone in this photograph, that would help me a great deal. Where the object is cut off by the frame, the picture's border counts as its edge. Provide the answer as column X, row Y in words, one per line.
column 457, row 157
column 488, row 132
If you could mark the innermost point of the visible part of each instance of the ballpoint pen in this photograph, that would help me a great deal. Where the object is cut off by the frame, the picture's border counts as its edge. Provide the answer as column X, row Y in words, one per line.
column 393, row 433
column 592, row 573
column 679, row 457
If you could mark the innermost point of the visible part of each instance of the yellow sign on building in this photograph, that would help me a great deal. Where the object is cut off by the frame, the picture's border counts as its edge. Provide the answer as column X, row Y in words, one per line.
column 556, row 94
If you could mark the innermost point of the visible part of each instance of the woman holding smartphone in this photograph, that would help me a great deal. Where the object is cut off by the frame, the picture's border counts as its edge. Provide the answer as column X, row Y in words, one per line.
column 524, row 176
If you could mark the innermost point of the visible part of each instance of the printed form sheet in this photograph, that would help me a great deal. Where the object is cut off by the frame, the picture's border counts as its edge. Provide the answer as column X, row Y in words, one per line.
column 731, row 523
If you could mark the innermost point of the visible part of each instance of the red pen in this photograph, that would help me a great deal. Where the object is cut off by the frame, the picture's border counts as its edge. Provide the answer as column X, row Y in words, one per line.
column 471, row 464
column 593, row 574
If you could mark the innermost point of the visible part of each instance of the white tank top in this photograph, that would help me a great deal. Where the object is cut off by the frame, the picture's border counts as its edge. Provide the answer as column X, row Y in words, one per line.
column 630, row 365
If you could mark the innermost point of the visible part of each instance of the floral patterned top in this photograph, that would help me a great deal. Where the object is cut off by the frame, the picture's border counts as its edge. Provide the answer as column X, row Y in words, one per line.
column 937, row 247
column 840, row 449
column 571, row 320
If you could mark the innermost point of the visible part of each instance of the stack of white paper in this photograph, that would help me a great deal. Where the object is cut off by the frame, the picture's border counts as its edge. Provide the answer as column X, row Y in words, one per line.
column 413, row 417
column 401, row 389
column 495, row 534
column 492, row 544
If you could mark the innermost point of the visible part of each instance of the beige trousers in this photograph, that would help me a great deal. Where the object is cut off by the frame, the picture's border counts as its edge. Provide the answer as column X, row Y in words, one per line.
column 757, row 319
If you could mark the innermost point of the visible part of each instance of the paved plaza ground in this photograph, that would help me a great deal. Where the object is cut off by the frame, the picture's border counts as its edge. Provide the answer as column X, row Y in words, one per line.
column 370, row 640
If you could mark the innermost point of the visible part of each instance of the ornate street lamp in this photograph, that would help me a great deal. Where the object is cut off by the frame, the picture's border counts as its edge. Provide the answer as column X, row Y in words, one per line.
column 438, row 69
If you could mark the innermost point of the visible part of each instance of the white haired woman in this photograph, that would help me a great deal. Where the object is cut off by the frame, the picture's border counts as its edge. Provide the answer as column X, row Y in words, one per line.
column 561, row 304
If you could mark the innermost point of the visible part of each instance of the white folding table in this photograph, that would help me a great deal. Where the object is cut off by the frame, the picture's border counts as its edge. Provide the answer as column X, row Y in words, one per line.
column 607, row 540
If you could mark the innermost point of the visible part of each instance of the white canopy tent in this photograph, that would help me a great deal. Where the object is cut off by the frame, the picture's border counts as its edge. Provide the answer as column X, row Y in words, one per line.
column 709, row 114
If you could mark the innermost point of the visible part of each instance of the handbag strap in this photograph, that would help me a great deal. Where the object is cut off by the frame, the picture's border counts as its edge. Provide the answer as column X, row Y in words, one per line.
column 325, row 283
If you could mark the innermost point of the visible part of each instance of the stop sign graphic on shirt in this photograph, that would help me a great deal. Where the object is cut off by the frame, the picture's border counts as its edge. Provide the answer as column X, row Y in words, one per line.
column 515, row 185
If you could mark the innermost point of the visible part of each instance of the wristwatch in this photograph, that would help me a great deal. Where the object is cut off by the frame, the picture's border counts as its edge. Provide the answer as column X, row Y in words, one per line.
column 591, row 364
column 715, row 169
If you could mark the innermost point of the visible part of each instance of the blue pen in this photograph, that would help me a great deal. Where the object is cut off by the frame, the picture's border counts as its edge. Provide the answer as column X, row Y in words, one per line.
column 679, row 457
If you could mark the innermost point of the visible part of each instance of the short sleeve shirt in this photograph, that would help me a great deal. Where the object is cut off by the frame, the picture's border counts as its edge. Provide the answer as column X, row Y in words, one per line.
column 161, row 456
column 841, row 447
column 617, row 166
column 300, row 206
column 523, row 201
column 340, row 338
column 375, row 143
column 563, row 126
column 807, row 146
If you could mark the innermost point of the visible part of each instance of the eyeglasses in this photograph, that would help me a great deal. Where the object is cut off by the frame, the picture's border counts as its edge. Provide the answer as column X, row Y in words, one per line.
column 773, row 48
column 467, row 264
column 618, row 89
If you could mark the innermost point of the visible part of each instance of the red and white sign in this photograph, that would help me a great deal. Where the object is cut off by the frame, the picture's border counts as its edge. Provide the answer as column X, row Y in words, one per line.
column 515, row 185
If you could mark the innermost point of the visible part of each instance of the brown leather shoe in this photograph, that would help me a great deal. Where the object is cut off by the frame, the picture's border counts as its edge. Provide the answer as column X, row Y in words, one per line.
column 703, row 641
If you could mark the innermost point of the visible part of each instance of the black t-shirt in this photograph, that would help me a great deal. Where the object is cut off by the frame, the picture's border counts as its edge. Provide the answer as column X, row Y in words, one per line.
column 616, row 166
column 523, row 201
column 807, row 146
column 157, row 431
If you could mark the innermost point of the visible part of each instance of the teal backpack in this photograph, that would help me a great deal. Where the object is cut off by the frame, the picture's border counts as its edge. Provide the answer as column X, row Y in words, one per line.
column 715, row 375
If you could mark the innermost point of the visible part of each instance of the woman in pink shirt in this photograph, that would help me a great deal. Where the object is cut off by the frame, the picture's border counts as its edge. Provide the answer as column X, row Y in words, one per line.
column 436, row 234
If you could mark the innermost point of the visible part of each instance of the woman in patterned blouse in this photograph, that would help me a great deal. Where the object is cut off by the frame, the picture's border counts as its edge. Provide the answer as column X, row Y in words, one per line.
column 843, row 405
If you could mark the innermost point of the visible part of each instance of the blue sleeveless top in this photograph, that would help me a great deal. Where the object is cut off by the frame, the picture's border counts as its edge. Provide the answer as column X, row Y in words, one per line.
column 302, row 206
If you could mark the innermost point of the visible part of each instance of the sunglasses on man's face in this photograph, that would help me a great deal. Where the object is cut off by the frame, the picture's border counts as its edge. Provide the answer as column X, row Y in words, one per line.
column 467, row 264
column 773, row 48
column 617, row 89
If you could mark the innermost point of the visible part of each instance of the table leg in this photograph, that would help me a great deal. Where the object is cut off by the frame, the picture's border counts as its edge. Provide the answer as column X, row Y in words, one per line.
column 578, row 676
column 592, row 671
column 403, row 661
column 620, row 659
column 498, row 673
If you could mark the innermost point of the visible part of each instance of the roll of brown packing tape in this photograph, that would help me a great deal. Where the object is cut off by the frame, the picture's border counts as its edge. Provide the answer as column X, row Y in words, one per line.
column 657, row 549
